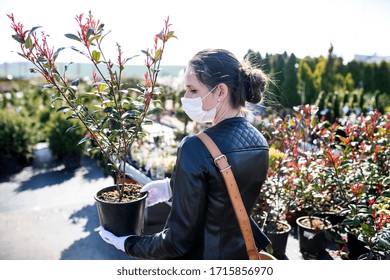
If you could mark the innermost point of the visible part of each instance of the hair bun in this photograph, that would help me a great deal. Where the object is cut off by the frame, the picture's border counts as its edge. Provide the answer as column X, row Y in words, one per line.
column 254, row 82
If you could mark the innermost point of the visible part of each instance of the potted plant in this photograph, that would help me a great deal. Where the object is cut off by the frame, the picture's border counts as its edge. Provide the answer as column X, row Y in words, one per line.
column 300, row 178
column 112, row 113
column 271, row 206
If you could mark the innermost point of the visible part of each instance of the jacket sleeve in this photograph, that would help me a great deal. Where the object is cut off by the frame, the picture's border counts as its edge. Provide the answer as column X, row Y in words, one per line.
column 186, row 220
column 261, row 240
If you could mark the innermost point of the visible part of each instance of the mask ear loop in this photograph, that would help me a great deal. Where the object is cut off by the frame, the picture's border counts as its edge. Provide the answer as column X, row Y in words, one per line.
column 209, row 92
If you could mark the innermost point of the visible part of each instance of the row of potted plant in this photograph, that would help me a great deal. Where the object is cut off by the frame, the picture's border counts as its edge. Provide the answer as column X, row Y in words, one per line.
column 338, row 170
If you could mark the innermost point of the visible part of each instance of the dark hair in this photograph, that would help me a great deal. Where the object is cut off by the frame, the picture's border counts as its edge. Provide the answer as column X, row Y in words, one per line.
column 215, row 66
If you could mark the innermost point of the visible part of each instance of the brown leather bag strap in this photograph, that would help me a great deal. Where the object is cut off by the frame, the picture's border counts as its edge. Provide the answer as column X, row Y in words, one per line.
column 221, row 162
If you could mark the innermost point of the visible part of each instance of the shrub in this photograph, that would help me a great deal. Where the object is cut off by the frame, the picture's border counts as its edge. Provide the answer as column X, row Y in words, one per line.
column 62, row 138
column 16, row 140
column 332, row 166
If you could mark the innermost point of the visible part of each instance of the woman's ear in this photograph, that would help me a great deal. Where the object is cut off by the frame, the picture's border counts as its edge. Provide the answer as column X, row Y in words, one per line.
column 223, row 91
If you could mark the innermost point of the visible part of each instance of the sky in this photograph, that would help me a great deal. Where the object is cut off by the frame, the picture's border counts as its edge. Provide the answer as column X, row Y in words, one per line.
column 302, row 27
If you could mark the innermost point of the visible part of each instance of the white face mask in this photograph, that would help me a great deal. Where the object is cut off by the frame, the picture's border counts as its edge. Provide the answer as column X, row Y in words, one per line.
column 193, row 107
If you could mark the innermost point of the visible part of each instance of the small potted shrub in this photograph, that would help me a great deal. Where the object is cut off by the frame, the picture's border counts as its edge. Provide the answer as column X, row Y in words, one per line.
column 272, row 204
column 311, row 191
column 112, row 113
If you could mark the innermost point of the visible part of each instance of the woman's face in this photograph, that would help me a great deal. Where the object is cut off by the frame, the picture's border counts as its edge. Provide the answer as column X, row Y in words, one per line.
column 194, row 88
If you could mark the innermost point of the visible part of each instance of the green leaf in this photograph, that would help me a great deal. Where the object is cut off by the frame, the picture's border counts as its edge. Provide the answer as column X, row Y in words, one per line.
column 67, row 66
column 170, row 35
column 73, row 37
column 34, row 28
column 158, row 54
column 137, row 90
column 96, row 56
column 85, row 139
column 102, row 87
column 72, row 127
column 57, row 53
column 94, row 38
column 386, row 181
column 145, row 52
column 108, row 110
column 57, row 99
column 19, row 40
column 125, row 101
column 63, row 109
column 57, row 77
column 72, row 89
column 81, row 52
column 71, row 117
column 101, row 27
column 382, row 243
column 367, row 229
column 127, row 59
column 124, row 115
column 41, row 59
column 155, row 111
column 90, row 32
column 104, row 34
column 28, row 43
column 75, row 83
column 386, row 193
column 48, row 86
column 351, row 222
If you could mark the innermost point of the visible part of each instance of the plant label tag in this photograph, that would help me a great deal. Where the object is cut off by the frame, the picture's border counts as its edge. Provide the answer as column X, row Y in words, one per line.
column 308, row 234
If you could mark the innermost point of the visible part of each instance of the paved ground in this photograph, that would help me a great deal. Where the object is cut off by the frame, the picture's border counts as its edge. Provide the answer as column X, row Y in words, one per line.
column 47, row 213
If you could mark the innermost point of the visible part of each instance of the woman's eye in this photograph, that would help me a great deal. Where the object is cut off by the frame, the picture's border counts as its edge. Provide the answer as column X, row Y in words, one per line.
column 192, row 91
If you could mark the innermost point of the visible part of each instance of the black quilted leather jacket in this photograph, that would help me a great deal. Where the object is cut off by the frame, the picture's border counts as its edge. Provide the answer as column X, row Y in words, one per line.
column 202, row 224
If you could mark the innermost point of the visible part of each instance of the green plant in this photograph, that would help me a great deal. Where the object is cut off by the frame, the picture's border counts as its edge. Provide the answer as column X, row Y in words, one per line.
column 341, row 166
column 290, row 183
column 112, row 118
column 16, row 139
column 275, row 156
column 272, row 203
column 364, row 177
column 62, row 139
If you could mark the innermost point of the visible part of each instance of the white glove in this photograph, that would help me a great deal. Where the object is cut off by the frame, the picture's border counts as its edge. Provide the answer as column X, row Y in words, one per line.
column 158, row 191
column 110, row 238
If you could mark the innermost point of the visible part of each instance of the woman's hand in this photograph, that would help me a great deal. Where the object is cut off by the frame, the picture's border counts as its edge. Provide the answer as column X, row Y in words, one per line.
column 110, row 238
column 158, row 191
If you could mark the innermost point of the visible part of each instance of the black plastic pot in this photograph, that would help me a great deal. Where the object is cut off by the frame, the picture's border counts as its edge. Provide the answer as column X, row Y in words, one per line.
column 370, row 256
column 279, row 241
column 333, row 218
column 311, row 242
column 121, row 218
column 356, row 247
column 292, row 216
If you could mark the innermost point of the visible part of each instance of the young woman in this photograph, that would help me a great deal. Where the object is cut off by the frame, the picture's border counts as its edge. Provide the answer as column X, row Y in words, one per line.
column 202, row 223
